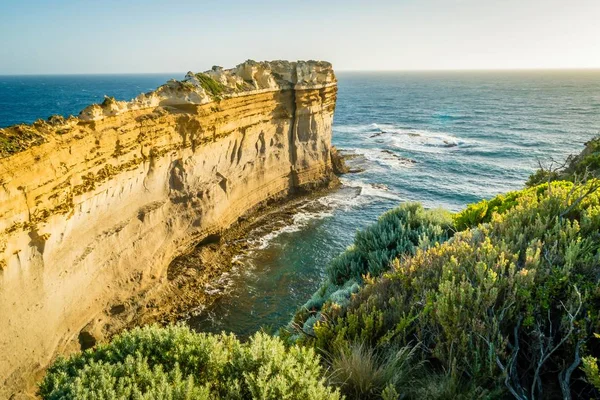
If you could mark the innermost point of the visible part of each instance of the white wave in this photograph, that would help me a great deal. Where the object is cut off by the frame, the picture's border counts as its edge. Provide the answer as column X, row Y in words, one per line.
column 299, row 222
column 361, row 128
column 386, row 158
column 369, row 191
column 221, row 285
column 354, row 193
column 410, row 139
column 345, row 199
column 420, row 140
column 264, row 241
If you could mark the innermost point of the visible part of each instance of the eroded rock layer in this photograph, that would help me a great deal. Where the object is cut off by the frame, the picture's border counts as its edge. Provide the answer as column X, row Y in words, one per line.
column 94, row 208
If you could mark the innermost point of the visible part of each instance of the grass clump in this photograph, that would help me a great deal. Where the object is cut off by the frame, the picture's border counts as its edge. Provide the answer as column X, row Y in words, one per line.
column 362, row 373
column 214, row 88
column 176, row 363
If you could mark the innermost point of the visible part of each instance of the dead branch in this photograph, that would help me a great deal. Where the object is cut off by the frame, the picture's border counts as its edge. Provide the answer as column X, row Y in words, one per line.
column 511, row 378
column 564, row 377
column 547, row 351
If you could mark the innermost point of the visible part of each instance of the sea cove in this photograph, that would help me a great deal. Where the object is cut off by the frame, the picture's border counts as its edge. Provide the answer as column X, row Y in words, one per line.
column 387, row 201
column 502, row 123
column 395, row 128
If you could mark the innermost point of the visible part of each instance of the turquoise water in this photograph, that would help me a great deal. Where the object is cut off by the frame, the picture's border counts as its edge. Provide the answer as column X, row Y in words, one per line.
column 444, row 139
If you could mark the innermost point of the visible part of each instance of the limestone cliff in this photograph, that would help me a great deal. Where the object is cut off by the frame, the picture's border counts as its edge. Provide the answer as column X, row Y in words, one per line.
column 94, row 208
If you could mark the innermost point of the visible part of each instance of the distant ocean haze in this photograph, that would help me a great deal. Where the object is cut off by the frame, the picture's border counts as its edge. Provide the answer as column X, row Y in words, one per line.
column 445, row 139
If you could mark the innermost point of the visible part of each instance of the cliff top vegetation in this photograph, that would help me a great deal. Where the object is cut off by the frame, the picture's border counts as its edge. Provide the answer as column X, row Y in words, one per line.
column 194, row 89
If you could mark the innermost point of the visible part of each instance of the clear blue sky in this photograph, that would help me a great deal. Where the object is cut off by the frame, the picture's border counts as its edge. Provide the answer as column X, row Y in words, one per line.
column 107, row 36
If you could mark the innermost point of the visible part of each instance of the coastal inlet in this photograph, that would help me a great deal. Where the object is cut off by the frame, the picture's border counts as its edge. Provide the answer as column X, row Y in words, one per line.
column 443, row 139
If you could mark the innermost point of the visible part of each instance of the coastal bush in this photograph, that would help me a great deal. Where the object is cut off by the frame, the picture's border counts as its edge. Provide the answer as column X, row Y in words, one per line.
column 399, row 232
column 542, row 175
column 176, row 363
column 483, row 211
column 506, row 307
column 590, row 368
column 576, row 168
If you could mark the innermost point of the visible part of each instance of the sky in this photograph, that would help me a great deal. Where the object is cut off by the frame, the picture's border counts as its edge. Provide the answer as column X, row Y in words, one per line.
column 108, row 36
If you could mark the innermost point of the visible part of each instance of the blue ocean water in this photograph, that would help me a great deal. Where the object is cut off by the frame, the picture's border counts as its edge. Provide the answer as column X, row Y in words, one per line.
column 24, row 98
column 441, row 138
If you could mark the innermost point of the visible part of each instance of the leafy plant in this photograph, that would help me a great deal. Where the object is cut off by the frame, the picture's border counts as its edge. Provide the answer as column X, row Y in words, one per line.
column 505, row 305
column 399, row 232
column 213, row 87
column 176, row 363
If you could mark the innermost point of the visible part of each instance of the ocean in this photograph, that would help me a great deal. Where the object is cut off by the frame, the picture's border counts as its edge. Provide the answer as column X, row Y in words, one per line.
column 444, row 139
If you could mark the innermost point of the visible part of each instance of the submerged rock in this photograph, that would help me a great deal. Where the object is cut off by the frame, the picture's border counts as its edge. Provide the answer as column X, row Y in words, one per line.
column 338, row 162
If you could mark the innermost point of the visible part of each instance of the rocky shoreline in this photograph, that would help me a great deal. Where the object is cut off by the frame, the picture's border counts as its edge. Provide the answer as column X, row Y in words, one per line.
column 196, row 278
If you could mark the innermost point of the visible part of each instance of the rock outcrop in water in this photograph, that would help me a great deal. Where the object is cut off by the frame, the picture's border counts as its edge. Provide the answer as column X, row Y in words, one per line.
column 93, row 209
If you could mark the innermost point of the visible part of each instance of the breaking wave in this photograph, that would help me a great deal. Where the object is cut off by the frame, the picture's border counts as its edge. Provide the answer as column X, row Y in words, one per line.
column 353, row 193
column 403, row 138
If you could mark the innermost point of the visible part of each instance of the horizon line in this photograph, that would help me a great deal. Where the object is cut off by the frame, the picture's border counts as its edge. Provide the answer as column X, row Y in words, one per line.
column 475, row 69
column 524, row 69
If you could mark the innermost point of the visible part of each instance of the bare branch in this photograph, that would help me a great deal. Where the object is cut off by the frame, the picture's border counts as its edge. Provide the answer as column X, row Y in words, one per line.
column 565, row 376
column 511, row 379
column 548, row 351
column 300, row 329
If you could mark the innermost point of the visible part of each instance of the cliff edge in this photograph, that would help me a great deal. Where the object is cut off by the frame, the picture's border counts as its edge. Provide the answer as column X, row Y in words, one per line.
column 94, row 208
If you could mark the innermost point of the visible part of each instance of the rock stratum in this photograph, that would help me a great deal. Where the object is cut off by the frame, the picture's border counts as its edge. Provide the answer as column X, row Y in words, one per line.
column 94, row 208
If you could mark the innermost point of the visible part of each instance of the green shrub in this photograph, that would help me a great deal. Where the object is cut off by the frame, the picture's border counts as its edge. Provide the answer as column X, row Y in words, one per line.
column 482, row 212
column 505, row 306
column 587, row 161
column 542, row 176
column 176, row 363
column 577, row 168
column 398, row 232
column 214, row 88
column 590, row 367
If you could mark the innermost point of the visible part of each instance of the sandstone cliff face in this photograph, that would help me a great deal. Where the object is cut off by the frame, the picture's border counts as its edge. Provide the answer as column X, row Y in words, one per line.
column 94, row 208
